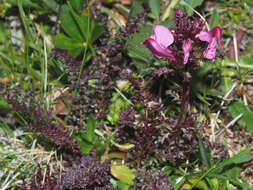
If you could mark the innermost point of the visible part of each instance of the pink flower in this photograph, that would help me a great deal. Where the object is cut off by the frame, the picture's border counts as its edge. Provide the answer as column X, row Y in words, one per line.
column 179, row 12
column 187, row 45
column 158, row 43
column 209, row 37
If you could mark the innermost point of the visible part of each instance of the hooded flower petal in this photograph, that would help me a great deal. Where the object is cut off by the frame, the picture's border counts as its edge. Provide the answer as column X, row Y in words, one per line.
column 217, row 33
column 209, row 37
column 187, row 45
column 205, row 36
column 158, row 43
column 156, row 49
column 210, row 52
column 162, row 36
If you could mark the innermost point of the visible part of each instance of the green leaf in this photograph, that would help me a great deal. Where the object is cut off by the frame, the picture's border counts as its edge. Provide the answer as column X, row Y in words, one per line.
column 193, row 4
column 215, row 19
column 122, row 9
column 85, row 147
column 63, row 42
column 6, row 129
column 246, row 120
column 90, row 129
column 117, row 104
column 233, row 160
column 25, row 3
column 24, row 20
column 205, row 155
column 52, row 4
column 226, row 80
column 120, row 184
column 233, row 173
column 200, row 185
column 123, row 173
column 168, row 12
column 245, row 62
column 136, row 9
column 243, row 158
column 76, row 4
column 4, row 106
column 75, row 52
column 155, row 7
column 69, row 24
column 96, row 30
column 213, row 183
column 89, row 28
column 135, row 47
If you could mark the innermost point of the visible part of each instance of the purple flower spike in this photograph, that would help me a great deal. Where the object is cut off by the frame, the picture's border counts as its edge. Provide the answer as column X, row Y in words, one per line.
column 187, row 45
column 179, row 12
column 209, row 37
column 158, row 43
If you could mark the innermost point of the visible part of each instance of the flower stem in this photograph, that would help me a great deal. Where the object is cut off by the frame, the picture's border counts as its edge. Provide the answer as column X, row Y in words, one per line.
column 184, row 104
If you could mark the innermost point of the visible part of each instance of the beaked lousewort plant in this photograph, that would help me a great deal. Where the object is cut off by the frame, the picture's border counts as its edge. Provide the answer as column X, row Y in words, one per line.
column 147, row 123
column 183, row 48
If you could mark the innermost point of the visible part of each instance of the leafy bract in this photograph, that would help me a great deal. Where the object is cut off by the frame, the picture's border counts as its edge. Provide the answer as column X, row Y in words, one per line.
column 137, row 51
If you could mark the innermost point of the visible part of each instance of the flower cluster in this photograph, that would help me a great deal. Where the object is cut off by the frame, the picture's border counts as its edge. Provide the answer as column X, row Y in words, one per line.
column 184, row 43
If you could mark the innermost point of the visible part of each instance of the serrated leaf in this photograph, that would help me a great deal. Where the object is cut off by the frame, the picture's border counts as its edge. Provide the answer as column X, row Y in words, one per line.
column 123, row 173
column 90, row 129
column 246, row 120
column 135, row 46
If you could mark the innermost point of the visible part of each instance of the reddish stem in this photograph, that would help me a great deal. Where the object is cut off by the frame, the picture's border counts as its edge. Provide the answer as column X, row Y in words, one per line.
column 184, row 105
